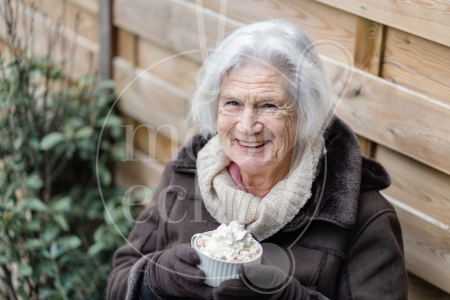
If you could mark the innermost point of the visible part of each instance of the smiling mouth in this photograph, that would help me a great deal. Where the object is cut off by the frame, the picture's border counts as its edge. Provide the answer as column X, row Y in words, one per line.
column 252, row 145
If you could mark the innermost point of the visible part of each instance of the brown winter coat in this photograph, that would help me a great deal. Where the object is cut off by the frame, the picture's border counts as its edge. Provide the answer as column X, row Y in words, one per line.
column 352, row 249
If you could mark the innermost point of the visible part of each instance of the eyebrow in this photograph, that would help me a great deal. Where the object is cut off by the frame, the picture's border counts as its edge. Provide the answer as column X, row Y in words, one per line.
column 226, row 99
column 259, row 99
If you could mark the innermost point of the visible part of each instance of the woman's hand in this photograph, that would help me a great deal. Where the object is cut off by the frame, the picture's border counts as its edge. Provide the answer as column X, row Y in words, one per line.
column 261, row 282
column 173, row 273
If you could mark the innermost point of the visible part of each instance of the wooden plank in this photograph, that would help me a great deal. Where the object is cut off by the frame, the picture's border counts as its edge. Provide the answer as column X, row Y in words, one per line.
column 369, row 46
column 171, row 24
column 419, row 289
column 2, row 46
column 167, row 65
column 367, row 146
column 90, row 6
column 151, row 100
column 426, row 193
column 428, row 19
column 85, row 59
column 322, row 23
column 127, row 46
column 55, row 9
column 368, row 55
column 150, row 142
column 392, row 115
column 427, row 246
column 417, row 64
column 417, row 185
column 142, row 172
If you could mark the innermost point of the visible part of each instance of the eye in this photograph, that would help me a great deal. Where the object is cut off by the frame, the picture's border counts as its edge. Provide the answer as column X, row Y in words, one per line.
column 268, row 105
column 233, row 103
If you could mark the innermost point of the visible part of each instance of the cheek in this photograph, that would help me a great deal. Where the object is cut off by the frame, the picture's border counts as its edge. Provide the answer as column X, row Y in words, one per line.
column 284, row 136
column 285, row 127
column 225, row 122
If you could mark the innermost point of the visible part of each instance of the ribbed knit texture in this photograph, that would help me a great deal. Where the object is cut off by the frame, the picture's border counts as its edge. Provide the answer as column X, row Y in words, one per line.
column 261, row 216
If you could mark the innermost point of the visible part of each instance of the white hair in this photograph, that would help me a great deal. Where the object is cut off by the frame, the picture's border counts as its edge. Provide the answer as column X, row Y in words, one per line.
column 281, row 45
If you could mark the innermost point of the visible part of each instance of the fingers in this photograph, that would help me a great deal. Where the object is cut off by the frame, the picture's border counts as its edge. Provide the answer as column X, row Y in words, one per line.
column 261, row 276
column 231, row 284
column 202, row 291
column 190, row 274
column 235, row 289
column 186, row 265
column 188, row 255
column 192, row 289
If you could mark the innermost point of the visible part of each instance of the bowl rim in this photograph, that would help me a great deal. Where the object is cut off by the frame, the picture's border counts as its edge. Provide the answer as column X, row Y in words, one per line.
column 209, row 233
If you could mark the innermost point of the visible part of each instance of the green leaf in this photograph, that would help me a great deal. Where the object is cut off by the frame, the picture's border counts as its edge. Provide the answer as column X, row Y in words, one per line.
column 7, row 205
column 21, row 292
column 116, row 132
column 4, row 260
column 106, row 84
column 46, row 266
column 56, row 74
column 50, row 232
column 34, row 204
column 110, row 121
column 118, row 151
column 63, row 204
column 53, row 250
column 84, row 132
column 104, row 175
column 25, row 270
column 47, row 293
column 61, row 220
column 33, row 226
column 34, row 181
column 95, row 249
column 51, row 140
column 36, row 73
column 99, row 233
column 34, row 244
column 69, row 242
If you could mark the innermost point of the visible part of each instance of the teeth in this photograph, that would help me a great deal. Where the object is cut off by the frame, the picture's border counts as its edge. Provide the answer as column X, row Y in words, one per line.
column 251, row 144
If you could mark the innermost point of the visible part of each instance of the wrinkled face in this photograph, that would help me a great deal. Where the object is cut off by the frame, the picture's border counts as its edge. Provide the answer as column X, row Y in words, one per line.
column 257, row 119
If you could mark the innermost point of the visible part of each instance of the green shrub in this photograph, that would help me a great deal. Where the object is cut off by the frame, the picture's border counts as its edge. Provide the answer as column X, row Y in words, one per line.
column 56, row 238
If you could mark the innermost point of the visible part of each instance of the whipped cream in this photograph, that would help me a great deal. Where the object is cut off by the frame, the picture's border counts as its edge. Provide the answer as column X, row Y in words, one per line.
column 229, row 243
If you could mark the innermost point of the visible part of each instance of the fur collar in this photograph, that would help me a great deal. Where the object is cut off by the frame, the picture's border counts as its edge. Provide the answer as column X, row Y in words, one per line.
column 348, row 174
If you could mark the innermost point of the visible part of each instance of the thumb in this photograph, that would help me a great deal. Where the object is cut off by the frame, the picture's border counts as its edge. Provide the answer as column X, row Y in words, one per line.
column 188, row 255
column 263, row 276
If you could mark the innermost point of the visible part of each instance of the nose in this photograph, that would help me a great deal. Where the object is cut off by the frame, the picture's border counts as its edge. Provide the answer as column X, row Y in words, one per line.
column 248, row 122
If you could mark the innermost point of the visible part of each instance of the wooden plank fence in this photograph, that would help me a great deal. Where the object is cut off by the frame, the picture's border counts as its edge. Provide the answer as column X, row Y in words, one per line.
column 46, row 15
column 397, row 100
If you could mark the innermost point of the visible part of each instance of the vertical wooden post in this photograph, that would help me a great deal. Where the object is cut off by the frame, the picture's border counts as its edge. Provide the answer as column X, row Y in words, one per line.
column 369, row 50
column 127, row 46
column 369, row 46
column 105, row 38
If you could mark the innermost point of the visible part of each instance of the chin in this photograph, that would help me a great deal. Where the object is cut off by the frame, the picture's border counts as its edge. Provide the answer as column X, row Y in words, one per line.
column 253, row 166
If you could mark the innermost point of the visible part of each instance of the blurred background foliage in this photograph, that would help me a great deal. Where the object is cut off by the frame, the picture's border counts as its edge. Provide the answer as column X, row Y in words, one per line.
column 57, row 238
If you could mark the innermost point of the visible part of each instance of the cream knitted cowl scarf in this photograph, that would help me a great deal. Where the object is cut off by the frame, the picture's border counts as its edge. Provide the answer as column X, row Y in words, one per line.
column 261, row 216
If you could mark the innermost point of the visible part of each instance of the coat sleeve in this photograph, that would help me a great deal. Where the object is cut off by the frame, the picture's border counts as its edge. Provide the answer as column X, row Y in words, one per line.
column 375, row 267
column 139, row 241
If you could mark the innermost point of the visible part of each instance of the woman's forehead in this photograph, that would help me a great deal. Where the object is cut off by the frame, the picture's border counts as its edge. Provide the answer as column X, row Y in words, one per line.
column 254, row 73
column 256, row 79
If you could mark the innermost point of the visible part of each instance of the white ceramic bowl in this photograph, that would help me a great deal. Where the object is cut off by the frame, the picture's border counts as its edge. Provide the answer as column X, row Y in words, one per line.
column 217, row 270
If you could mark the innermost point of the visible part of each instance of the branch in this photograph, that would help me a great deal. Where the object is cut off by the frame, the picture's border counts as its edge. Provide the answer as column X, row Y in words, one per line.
column 9, row 283
column 47, row 179
column 58, row 280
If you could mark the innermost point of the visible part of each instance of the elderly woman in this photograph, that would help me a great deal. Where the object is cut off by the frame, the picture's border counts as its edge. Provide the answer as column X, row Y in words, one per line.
column 270, row 155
